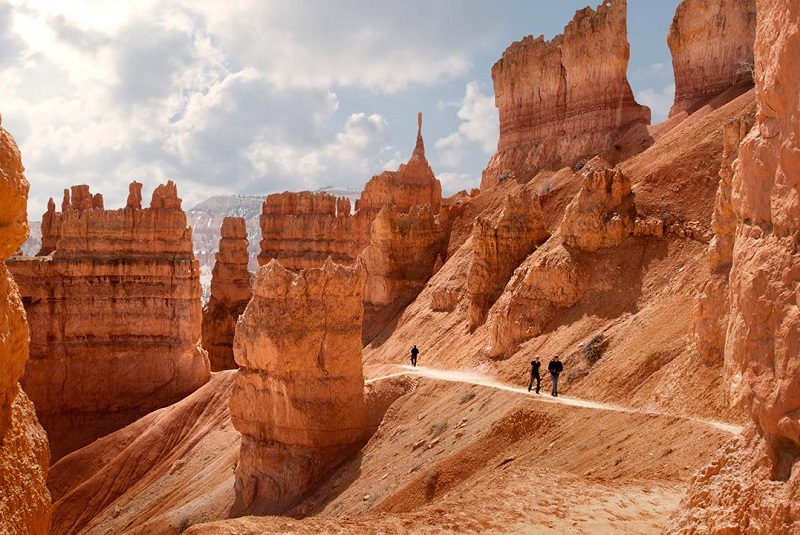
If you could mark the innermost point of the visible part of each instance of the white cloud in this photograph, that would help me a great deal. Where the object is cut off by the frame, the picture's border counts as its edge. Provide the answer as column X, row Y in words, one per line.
column 659, row 101
column 454, row 182
column 479, row 125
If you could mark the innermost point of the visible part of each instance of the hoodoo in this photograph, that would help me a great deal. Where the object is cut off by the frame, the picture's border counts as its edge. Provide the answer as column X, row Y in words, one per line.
column 301, row 230
column 230, row 293
column 712, row 49
column 24, row 454
column 564, row 99
column 115, row 314
column 298, row 398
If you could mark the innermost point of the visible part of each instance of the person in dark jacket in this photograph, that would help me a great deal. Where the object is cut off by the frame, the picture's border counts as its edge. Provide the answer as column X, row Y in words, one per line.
column 535, row 364
column 555, row 368
column 414, row 353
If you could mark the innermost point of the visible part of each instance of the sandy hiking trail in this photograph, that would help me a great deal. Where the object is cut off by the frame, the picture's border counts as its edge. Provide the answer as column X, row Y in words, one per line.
column 477, row 378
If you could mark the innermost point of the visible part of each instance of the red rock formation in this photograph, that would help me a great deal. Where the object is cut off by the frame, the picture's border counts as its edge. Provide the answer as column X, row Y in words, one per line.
column 115, row 316
column 753, row 486
column 711, row 308
column 403, row 252
column 712, row 49
column 602, row 214
column 230, row 293
column 498, row 248
column 299, row 394
column 24, row 455
column 564, row 99
column 302, row 230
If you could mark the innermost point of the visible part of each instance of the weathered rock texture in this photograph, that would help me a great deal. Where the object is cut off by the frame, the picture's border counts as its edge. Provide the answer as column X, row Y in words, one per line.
column 712, row 49
column 230, row 293
column 115, row 315
column 564, row 99
column 299, row 394
column 402, row 255
column 603, row 213
column 754, row 486
column 711, row 308
column 303, row 229
column 24, row 454
column 498, row 248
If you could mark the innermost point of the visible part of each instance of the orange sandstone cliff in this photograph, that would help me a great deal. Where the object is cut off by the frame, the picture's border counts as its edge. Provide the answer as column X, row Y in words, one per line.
column 24, row 454
column 115, row 315
column 298, row 398
column 753, row 484
column 712, row 49
column 565, row 99
column 230, row 293
column 301, row 230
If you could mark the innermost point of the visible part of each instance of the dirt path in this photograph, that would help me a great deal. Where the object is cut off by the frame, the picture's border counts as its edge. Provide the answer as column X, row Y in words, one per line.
column 483, row 380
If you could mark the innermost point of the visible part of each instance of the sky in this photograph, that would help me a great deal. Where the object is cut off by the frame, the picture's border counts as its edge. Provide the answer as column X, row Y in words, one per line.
column 258, row 96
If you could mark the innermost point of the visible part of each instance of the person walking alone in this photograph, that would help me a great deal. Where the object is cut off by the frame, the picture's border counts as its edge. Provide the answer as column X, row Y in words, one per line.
column 535, row 364
column 414, row 353
column 555, row 368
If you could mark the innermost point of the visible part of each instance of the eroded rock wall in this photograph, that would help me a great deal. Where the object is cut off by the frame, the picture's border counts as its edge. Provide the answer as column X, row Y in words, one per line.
column 712, row 49
column 230, row 293
column 115, row 315
column 301, row 230
column 564, row 99
column 754, row 486
column 498, row 248
column 402, row 255
column 298, row 399
column 24, row 453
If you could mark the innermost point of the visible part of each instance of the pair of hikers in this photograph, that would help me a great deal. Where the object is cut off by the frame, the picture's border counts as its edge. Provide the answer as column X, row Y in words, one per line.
column 555, row 367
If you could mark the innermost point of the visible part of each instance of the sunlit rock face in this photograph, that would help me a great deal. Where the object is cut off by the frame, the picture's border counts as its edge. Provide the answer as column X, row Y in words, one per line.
column 298, row 399
column 115, row 314
column 230, row 293
column 753, row 485
column 565, row 99
column 498, row 248
column 712, row 49
column 403, row 253
column 24, row 453
column 301, row 230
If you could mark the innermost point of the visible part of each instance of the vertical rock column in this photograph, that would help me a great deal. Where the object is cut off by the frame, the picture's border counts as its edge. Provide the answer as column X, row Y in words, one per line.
column 24, row 453
column 299, row 394
column 230, row 293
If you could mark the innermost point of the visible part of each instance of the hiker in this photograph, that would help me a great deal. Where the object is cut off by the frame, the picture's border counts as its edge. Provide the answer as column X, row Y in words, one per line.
column 414, row 353
column 555, row 368
column 535, row 374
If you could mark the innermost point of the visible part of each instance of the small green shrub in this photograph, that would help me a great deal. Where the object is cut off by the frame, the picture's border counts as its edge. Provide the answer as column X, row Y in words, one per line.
column 593, row 350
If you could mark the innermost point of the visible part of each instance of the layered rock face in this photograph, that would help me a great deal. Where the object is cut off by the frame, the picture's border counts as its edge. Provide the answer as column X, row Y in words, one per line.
column 602, row 214
column 403, row 252
column 712, row 49
column 754, row 486
column 230, row 293
column 564, row 99
column 114, row 312
column 303, row 229
column 24, row 454
column 711, row 308
column 299, row 395
column 498, row 248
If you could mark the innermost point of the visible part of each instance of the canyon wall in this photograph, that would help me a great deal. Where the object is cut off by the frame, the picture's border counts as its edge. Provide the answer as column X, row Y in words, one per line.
column 498, row 248
column 301, row 230
column 712, row 49
column 565, row 99
column 230, row 293
column 115, row 314
column 404, row 250
column 298, row 399
column 24, row 453
column 753, row 485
